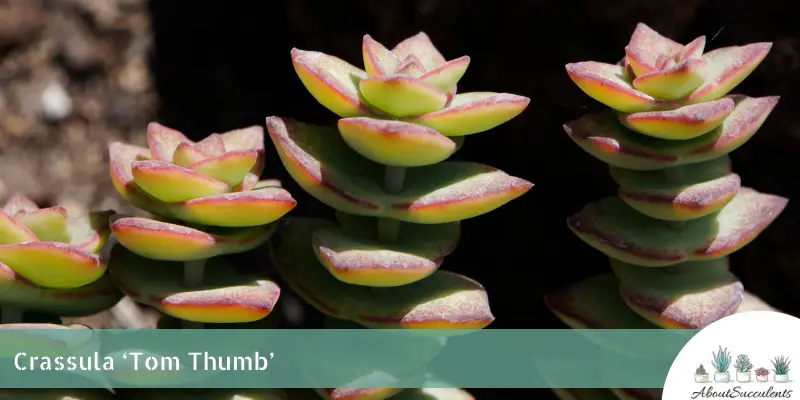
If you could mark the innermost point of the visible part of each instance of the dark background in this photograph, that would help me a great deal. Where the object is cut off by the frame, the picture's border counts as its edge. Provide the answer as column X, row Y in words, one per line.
column 212, row 66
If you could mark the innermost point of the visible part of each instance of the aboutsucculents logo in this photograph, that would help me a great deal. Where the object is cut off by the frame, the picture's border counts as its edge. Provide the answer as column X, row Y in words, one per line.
column 745, row 355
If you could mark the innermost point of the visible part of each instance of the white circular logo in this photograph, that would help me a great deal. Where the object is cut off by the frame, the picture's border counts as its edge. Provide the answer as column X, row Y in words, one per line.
column 743, row 356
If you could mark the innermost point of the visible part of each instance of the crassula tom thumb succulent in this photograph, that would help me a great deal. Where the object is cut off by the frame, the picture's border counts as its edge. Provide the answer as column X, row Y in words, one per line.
column 399, row 201
column 208, row 202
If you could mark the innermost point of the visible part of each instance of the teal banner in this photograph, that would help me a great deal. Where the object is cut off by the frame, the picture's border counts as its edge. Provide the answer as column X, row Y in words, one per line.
column 338, row 358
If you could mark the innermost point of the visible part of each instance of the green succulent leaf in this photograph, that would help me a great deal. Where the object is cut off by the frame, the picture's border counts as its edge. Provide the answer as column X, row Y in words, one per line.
column 475, row 112
column 683, row 123
column 395, row 143
column 402, row 95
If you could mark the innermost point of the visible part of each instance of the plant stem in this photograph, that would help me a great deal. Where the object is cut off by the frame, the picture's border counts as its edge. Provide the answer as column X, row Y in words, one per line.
column 193, row 275
column 388, row 228
column 11, row 315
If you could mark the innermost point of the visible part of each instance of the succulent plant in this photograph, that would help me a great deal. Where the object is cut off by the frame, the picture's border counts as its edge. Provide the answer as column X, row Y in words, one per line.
column 743, row 363
column 701, row 370
column 208, row 202
column 761, row 371
column 398, row 201
column 680, row 210
column 51, row 263
column 721, row 359
column 781, row 365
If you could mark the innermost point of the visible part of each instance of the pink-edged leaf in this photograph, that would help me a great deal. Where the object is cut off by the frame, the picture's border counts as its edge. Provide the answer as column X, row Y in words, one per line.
column 675, row 82
column 13, row 232
column 446, row 76
column 411, row 66
column 187, row 154
column 421, row 46
column 606, row 84
column 470, row 113
column 646, row 38
column 402, row 96
column 683, row 123
column 48, row 224
column 53, row 265
column 163, row 141
column 378, row 60
column 250, row 138
column 171, row 183
column 90, row 232
column 212, row 145
column 332, row 81
column 19, row 203
column 727, row 68
column 640, row 61
column 239, row 209
column 230, row 168
column 693, row 50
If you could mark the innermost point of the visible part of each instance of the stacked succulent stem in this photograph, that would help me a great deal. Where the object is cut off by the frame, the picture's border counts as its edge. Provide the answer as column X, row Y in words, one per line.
column 208, row 202
column 399, row 201
column 680, row 210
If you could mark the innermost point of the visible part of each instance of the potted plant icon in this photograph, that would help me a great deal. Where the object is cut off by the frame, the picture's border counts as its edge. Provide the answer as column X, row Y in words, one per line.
column 700, row 374
column 743, row 368
column 721, row 361
column 762, row 374
column 781, row 368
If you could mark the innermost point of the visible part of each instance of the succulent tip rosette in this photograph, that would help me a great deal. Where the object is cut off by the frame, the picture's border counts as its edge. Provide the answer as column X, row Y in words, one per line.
column 208, row 202
column 50, row 262
column 680, row 210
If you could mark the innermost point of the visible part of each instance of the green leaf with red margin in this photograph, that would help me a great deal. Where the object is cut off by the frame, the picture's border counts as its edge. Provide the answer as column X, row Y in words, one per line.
column 378, row 60
column 231, row 298
column 170, row 183
column 332, row 81
column 326, row 167
column 727, row 68
column 679, row 193
column 53, row 265
column 602, row 135
column 230, row 167
column 675, row 82
column 17, row 291
column 420, row 46
column 166, row 241
column 684, row 123
column 648, row 41
column 607, row 84
column 690, row 295
column 444, row 300
column 13, row 232
column 446, row 76
column 48, row 224
column 475, row 112
column 395, row 143
column 619, row 231
column 401, row 95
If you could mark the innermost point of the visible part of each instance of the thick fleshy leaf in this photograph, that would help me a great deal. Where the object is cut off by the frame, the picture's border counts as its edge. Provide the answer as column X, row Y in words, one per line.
column 332, row 81
column 606, row 84
column 444, row 300
column 353, row 253
column 13, row 232
column 121, row 156
column 584, row 394
column 476, row 112
column 420, row 46
column 621, row 232
column 171, row 183
column 602, row 135
column 411, row 66
column 675, row 82
column 90, row 299
column 687, row 122
column 446, row 76
column 229, row 168
column 690, row 295
column 171, row 242
column 226, row 298
column 236, row 210
column 402, row 96
column 693, row 50
column 327, row 168
column 395, row 143
column 250, row 138
column 595, row 303
column 90, row 232
column 378, row 60
column 187, row 154
column 727, row 68
column 53, row 265
column 48, row 224
column 679, row 193
column 163, row 141
column 212, row 145
column 17, row 203
column 640, row 61
column 647, row 39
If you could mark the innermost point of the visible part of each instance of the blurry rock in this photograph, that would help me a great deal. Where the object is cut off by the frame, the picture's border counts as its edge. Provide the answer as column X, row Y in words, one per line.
column 56, row 104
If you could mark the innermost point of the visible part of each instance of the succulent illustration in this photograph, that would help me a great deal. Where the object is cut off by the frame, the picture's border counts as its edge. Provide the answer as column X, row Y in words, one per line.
column 743, row 363
column 680, row 210
column 721, row 359
column 51, row 263
column 208, row 201
column 781, row 365
column 761, row 371
column 701, row 370
column 399, row 202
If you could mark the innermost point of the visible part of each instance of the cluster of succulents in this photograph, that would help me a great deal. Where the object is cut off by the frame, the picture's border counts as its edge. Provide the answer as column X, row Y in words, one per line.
column 208, row 202
column 680, row 210
column 399, row 202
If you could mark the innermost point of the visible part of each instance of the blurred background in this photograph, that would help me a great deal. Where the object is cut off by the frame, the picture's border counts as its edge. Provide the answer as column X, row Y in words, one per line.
column 76, row 74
